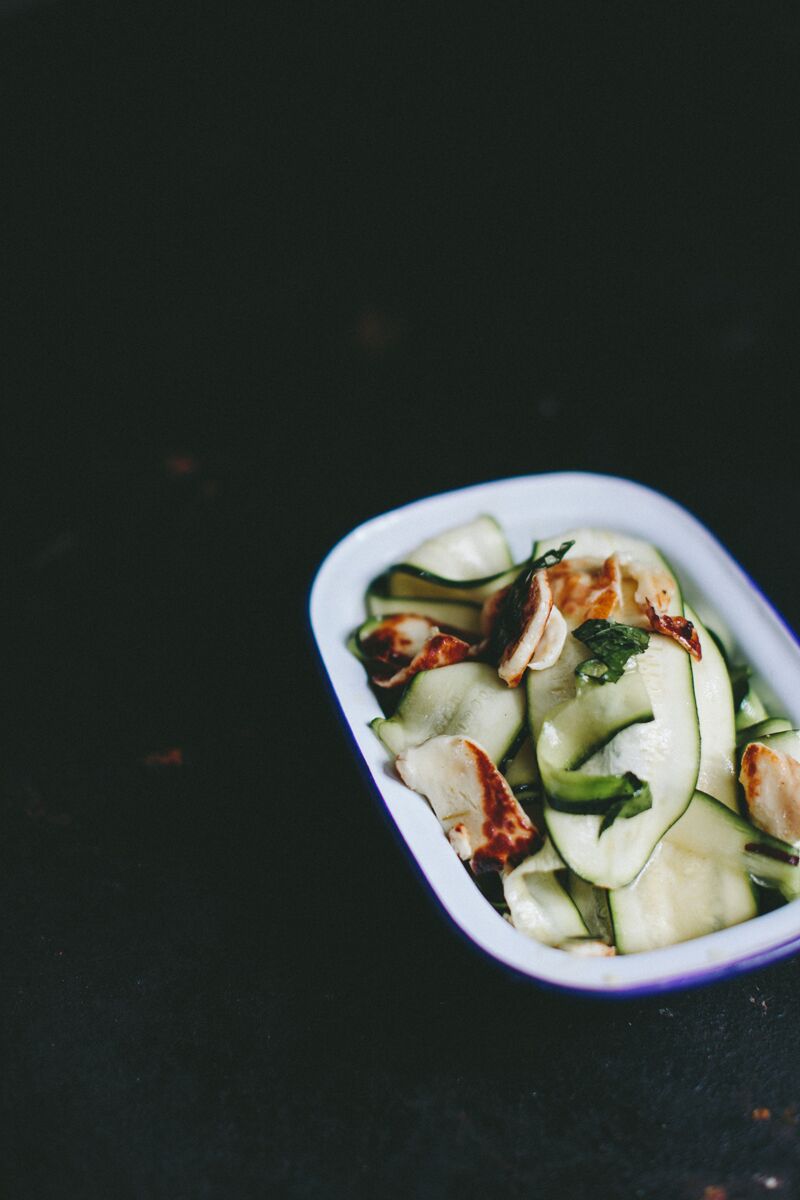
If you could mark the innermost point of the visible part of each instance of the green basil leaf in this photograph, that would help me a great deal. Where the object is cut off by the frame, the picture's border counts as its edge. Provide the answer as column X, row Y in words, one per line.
column 613, row 644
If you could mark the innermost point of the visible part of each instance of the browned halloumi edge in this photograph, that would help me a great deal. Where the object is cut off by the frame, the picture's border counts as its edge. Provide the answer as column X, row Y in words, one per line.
column 535, row 614
column 608, row 595
column 479, row 812
column 440, row 650
column 771, row 782
column 588, row 948
column 680, row 629
column 395, row 640
column 581, row 584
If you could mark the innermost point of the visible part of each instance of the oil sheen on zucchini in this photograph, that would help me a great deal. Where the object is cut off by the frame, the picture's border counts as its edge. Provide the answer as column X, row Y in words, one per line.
column 664, row 753
column 465, row 699
column 700, row 879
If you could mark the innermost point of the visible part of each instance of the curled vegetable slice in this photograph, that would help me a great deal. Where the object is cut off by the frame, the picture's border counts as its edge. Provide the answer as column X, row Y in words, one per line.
column 573, row 731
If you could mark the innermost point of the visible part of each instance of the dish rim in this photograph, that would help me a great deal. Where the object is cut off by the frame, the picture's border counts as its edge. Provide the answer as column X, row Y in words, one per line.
column 765, row 939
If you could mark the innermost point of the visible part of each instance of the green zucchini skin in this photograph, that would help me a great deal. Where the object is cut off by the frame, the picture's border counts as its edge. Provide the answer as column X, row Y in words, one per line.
column 541, row 907
column 714, row 697
column 447, row 577
column 727, row 837
column 579, row 728
column 468, row 563
column 751, row 711
column 466, row 699
column 592, row 904
column 700, row 879
column 664, row 753
column 461, row 615
column 763, row 729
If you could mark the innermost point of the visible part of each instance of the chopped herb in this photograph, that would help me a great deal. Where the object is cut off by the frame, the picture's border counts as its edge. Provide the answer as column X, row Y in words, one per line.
column 612, row 645
column 628, row 806
column 511, row 612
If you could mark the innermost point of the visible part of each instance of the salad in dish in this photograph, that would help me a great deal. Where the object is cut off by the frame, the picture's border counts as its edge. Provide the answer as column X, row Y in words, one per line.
column 612, row 781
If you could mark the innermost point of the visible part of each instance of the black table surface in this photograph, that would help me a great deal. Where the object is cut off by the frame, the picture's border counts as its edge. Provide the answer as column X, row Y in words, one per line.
column 266, row 279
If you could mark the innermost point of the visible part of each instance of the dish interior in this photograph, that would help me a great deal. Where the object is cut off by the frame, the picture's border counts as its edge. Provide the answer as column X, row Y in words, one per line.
column 723, row 596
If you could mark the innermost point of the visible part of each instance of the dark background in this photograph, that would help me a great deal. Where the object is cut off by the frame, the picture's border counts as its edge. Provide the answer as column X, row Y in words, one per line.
column 266, row 273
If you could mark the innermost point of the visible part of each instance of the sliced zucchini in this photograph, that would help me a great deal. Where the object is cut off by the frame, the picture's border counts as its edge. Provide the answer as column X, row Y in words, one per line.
column 714, row 697
column 679, row 895
column 522, row 771
column 540, row 907
column 466, row 563
column 751, row 710
column 664, row 753
column 592, row 904
column 786, row 741
column 466, row 698
column 700, row 877
column 763, row 729
column 579, row 728
column 545, row 859
column 461, row 615
column 730, row 839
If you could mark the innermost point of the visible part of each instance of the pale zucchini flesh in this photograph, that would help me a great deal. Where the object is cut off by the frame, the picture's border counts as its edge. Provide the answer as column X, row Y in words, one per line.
column 787, row 741
column 540, row 906
column 761, row 730
column 460, row 615
column 714, row 698
column 679, row 895
column 700, row 879
column 665, row 753
column 751, row 710
column 729, row 838
column 523, row 770
column 577, row 730
column 475, row 551
column 592, row 904
column 465, row 699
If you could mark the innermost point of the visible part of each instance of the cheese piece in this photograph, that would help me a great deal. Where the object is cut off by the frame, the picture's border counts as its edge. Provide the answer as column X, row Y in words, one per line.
column 480, row 814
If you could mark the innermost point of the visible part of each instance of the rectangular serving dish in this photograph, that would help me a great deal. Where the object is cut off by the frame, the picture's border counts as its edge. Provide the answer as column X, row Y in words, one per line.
column 537, row 506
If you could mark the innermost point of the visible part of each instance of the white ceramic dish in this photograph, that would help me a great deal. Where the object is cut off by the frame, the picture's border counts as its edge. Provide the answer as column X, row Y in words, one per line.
column 537, row 506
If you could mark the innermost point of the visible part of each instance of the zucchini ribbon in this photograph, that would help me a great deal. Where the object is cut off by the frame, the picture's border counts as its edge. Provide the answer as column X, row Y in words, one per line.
column 575, row 730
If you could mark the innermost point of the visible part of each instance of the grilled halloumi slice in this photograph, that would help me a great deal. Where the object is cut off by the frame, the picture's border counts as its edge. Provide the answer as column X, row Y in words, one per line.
column 480, row 814
column 534, row 617
column 771, row 782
